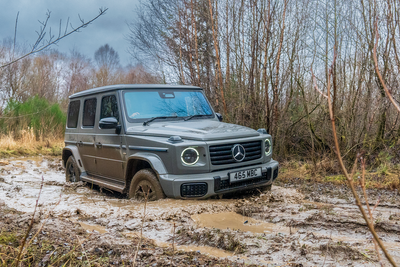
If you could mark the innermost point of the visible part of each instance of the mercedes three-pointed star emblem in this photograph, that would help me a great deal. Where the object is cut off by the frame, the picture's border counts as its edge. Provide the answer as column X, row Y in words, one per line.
column 238, row 152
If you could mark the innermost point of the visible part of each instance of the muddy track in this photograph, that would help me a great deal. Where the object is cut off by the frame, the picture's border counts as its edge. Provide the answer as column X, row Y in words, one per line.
column 294, row 224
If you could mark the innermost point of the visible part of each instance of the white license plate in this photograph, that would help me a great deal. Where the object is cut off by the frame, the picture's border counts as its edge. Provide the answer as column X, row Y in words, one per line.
column 244, row 175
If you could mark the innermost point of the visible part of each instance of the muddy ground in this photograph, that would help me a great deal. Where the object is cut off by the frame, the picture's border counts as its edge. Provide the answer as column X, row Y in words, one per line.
column 296, row 224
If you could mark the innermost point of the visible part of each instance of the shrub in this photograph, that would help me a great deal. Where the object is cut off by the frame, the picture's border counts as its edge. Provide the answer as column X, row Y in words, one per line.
column 35, row 115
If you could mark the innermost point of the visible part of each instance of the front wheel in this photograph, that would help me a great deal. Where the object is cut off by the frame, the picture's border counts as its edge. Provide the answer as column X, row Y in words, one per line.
column 145, row 185
column 72, row 173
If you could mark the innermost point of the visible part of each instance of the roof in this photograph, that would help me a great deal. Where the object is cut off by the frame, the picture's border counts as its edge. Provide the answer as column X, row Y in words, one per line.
column 132, row 86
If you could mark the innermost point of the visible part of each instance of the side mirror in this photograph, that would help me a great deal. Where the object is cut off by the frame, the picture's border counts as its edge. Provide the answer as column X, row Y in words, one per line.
column 219, row 116
column 108, row 123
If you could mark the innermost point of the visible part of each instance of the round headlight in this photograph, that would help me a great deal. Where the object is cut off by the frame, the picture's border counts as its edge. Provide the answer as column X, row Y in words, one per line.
column 190, row 156
column 268, row 147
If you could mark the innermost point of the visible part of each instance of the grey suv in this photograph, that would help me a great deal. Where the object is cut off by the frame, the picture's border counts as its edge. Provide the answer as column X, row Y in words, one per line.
column 162, row 140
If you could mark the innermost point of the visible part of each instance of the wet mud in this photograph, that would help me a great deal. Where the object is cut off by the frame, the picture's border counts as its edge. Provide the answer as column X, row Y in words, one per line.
column 293, row 224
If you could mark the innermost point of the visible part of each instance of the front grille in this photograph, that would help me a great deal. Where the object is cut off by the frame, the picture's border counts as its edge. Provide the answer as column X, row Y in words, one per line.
column 221, row 185
column 222, row 154
column 194, row 189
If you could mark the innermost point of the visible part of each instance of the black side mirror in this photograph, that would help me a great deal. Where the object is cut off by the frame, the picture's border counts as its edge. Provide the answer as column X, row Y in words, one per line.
column 219, row 116
column 108, row 123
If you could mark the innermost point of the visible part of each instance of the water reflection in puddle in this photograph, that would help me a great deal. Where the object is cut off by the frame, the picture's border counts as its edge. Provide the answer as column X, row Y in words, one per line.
column 91, row 227
column 216, row 252
column 232, row 220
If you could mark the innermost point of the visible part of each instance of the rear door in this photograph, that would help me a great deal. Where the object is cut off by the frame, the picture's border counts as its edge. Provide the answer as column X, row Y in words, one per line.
column 87, row 139
column 110, row 162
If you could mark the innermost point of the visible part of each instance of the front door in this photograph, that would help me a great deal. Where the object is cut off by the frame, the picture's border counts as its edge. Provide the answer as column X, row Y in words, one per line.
column 110, row 162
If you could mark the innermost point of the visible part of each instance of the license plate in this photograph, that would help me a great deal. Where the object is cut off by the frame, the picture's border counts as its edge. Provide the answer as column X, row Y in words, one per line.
column 244, row 175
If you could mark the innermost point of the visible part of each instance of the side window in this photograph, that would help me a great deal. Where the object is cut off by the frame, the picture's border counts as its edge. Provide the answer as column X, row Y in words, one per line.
column 109, row 107
column 73, row 113
column 89, row 112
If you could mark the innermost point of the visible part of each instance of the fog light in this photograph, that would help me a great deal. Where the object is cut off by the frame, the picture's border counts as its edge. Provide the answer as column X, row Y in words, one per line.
column 194, row 190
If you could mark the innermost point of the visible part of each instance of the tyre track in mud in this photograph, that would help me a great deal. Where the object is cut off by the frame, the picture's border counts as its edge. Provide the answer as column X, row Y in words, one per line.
column 300, row 227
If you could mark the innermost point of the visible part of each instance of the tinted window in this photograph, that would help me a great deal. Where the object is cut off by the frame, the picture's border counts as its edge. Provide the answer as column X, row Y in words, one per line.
column 89, row 112
column 109, row 107
column 73, row 113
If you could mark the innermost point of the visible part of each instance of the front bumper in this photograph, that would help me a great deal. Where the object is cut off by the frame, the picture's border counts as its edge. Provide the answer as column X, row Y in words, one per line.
column 215, row 183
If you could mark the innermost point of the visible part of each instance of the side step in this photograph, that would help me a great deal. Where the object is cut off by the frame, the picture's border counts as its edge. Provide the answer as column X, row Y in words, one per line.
column 118, row 186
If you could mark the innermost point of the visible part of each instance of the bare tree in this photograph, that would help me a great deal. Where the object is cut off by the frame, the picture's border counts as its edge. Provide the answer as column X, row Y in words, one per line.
column 107, row 60
column 106, row 57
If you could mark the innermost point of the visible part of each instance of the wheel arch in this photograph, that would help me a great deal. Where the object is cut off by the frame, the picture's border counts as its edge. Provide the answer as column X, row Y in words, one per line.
column 141, row 161
column 72, row 151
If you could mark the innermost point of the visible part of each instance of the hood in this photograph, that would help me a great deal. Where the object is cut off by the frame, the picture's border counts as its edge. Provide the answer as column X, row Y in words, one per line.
column 202, row 130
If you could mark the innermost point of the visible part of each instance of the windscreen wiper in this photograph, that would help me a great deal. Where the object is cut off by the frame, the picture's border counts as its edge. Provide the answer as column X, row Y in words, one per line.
column 193, row 116
column 159, row 117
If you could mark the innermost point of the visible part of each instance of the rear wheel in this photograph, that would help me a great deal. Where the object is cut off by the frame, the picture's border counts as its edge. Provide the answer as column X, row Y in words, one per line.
column 72, row 173
column 145, row 185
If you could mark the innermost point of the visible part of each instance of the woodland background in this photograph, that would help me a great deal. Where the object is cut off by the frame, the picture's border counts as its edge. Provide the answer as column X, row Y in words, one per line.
column 254, row 60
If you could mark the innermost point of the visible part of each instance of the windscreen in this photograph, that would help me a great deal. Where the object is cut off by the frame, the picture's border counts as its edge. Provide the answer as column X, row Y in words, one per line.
column 149, row 104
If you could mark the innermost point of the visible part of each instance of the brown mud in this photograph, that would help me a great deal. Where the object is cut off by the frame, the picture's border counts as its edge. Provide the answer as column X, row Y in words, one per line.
column 296, row 224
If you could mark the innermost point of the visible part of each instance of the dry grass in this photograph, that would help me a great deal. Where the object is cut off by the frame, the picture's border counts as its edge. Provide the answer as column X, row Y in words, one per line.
column 28, row 145
column 385, row 176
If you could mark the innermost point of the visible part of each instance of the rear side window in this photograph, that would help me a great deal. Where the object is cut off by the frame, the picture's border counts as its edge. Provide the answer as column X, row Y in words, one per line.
column 109, row 107
column 89, row 112
column 73, row 113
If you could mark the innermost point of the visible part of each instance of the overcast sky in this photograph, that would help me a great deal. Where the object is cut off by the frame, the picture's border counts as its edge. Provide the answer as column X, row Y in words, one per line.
column 110, row 28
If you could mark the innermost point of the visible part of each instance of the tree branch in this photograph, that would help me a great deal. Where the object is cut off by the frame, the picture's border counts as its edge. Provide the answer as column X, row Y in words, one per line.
column 51, row 41
column 343, row 167
column 378, row 72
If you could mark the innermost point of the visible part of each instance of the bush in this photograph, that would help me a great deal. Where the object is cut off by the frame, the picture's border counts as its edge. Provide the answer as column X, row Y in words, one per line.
column 37, row 115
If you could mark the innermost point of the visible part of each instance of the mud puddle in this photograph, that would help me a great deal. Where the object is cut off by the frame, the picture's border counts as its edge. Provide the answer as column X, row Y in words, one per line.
column 215, row 252
column 235, row 221
column 93, row 227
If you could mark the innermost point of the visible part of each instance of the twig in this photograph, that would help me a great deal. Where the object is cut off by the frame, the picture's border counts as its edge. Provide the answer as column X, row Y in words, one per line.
column 30, row 225
column 15, row 32
column 362, row 182
column 378, row 72
column 25, row 115
column 327, row 249
column 315, row 85
column 376, row 204
column 83, row 249
column 146, row 195
column 173, row 245
column 41, row 226
column 343, row 167
column 41, row 34
column 71, row 251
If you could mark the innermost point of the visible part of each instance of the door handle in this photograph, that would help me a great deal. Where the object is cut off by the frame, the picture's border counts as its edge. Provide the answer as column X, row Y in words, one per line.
column 99, row 145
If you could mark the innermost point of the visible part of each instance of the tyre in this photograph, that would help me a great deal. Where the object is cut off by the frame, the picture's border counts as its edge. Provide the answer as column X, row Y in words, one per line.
column 144, row 185
column 72, row 173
